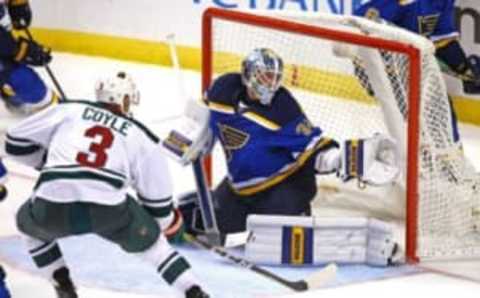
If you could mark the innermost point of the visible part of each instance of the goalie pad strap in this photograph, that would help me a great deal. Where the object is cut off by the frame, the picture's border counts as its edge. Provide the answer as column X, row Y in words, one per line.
column 353, row 156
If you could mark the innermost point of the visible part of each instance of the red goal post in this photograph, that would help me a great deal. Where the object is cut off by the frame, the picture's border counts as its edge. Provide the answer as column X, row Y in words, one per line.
column 356, row 37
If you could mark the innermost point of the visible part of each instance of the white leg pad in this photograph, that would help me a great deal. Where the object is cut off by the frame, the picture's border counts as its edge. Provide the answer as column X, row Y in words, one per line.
column 300, row 240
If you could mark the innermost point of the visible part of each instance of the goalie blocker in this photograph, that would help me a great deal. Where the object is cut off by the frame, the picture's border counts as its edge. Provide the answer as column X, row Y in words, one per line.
column 190, row 137
column 299, row 240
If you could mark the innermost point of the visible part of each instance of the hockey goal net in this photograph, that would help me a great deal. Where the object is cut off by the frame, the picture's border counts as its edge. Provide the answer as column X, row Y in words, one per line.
column 353, row 78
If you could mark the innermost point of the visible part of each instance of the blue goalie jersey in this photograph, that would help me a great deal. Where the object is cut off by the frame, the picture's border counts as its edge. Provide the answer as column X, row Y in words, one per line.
column 263, row 145
column 433, row 19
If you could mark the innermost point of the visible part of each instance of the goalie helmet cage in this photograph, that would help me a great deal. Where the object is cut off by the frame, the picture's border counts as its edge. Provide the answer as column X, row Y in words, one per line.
column 354, row 77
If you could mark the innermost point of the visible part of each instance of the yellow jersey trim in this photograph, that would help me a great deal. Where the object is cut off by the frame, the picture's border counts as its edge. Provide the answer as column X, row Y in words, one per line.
column 301, row 160
column 261, row 121
column 218, row 107
column 441, row 43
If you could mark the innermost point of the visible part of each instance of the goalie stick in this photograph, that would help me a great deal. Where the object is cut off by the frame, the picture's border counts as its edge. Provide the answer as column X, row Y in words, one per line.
column 316, row 280
column 63, row 97
column 206, row 204
column 203, row 191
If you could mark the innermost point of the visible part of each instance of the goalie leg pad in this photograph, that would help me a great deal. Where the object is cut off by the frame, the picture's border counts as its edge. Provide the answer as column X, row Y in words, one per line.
column 300, row 240
column 382, row 250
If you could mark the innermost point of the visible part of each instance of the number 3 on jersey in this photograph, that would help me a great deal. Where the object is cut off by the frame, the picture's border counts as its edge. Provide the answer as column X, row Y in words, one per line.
column 97, row 156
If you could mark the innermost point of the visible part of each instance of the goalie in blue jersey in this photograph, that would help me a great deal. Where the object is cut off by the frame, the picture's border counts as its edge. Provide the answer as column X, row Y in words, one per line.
column 273, row 152
column 22, row 91
column 433, row 19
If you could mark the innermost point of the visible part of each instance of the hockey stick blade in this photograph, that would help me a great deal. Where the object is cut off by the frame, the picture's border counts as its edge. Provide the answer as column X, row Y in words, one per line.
column 322, row 277
column 316, row 280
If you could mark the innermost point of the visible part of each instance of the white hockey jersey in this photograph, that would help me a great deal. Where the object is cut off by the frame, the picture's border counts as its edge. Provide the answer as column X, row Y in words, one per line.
column 92, row 155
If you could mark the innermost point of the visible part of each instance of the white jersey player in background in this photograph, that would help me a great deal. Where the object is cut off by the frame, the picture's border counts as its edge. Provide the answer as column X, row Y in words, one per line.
column 89, row 155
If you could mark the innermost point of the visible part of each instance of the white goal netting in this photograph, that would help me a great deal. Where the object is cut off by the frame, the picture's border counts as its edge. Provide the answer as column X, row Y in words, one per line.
column 354, row 87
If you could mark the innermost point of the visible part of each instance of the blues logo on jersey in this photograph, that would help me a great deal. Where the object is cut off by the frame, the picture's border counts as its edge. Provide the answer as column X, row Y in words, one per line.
column 264, row 144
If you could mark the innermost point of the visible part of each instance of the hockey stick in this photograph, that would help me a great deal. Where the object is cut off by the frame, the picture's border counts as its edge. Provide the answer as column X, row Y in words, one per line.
column 203, row 191
column 49, row 71
column 316, row 280
column 206, row 204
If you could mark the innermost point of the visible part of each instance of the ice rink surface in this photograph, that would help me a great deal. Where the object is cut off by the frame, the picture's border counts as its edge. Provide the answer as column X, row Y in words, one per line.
column 102, row 270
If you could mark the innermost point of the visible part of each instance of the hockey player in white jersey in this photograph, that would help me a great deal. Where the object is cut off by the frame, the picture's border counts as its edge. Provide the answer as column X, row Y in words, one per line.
column 22, row 91
column 89, row 155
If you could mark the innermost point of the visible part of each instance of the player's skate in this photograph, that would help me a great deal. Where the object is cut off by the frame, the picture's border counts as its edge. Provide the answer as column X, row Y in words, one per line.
column 63, row 284
column 196, row 292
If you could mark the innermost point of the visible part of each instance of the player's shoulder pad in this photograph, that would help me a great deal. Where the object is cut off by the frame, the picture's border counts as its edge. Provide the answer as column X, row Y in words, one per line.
column 285, row 107
column 146, row 131
column 224, row 89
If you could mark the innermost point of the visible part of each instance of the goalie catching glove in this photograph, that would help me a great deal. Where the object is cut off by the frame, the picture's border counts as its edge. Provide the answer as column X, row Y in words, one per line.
column 372, row 160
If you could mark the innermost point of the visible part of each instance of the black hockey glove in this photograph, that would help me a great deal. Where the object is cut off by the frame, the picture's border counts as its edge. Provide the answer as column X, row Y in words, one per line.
column 473, row 86
column 31, row 53
column 20, row 13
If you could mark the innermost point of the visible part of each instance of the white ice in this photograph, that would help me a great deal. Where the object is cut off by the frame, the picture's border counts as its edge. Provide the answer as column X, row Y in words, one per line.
column 102, row 270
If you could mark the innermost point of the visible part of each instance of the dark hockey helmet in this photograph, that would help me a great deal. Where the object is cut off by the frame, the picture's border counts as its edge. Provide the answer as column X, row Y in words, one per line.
column 262, row 71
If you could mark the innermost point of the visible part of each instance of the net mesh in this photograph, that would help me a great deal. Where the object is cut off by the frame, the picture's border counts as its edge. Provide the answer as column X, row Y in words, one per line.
column 353, row 91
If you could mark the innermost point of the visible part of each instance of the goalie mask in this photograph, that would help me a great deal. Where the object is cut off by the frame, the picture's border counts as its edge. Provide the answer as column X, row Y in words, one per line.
column 119, row 90
column 262, row 72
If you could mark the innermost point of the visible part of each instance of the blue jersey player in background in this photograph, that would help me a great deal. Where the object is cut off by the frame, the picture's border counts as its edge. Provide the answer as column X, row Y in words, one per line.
column 273, row 152
column 433, row 19
column 22, row 91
